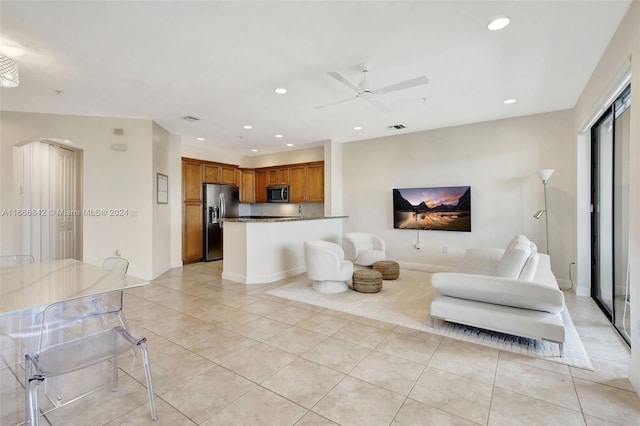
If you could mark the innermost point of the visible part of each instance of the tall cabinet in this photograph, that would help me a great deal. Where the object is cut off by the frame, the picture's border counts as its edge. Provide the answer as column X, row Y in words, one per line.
column 192, row 179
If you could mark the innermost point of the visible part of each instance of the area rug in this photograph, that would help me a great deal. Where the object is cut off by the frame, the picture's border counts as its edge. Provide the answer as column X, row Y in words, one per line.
column 406, row 302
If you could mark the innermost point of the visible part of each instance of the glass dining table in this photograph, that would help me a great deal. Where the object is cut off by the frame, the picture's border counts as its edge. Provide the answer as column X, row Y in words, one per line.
column 25, row 291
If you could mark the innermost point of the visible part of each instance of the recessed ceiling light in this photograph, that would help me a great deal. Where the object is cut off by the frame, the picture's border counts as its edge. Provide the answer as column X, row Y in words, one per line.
column 280, row 91
column 357, row 128
column 254, row 150
column 247, row 127
column 289, row 144
column 509, row 101
column 498, row 23
column 199, row 139
column 279, row 136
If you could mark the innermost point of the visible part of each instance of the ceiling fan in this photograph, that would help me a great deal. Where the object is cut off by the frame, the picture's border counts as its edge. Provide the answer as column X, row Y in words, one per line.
column 363, row 89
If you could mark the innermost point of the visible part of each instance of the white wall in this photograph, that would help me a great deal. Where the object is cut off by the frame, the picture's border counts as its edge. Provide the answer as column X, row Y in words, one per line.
column 161, row 244
column 111, row 180
column 286, row 157
column 175, row 199
column 204, row 152
column 498, row 159
column 624, row 44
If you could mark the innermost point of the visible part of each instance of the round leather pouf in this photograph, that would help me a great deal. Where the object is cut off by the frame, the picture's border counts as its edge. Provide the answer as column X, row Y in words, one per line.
column 367, row 281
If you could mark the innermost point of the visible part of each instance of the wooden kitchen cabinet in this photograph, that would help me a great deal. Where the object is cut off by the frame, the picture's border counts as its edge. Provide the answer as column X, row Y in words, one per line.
column 192, row 233
column 315, row 183
column 219, row 173
column 192, row 179
column 211, row 173
column 262, row 180
column 247, row 193
column 283, row 176
column 194, row 173
column 279, row 176
column 272, row 177
column 228, row 175
column 306, row 183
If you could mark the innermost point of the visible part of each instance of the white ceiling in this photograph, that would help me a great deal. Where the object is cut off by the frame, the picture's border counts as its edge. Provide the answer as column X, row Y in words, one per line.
column 221, row 61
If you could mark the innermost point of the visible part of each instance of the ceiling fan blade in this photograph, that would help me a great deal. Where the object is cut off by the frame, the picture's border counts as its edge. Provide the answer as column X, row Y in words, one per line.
column 344, row 81
column 419, row 81
column 377, row 104
column 337, row 102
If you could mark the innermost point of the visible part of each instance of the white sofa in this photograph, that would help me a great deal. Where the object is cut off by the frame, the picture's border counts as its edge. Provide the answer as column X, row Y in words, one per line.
column 511, row 291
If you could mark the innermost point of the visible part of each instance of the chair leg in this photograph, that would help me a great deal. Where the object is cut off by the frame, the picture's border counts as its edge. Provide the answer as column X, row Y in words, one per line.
column 31, row 384
column 114, row 384
column 147, row 373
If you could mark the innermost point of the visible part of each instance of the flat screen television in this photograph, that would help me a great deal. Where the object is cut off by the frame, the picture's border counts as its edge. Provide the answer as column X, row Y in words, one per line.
column 444, row 208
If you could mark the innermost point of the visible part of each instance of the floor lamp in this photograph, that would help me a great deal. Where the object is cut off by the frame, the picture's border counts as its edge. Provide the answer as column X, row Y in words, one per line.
column 545, row 174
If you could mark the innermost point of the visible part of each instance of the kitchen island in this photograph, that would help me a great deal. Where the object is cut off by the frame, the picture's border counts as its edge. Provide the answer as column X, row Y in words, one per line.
column 266, row 249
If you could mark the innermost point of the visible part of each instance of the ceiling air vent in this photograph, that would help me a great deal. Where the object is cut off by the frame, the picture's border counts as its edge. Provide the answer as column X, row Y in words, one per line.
column 398, row 126
column 190, row 118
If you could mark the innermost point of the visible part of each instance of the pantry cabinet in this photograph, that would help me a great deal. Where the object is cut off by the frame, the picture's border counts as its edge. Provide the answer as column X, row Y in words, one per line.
column 192, row 179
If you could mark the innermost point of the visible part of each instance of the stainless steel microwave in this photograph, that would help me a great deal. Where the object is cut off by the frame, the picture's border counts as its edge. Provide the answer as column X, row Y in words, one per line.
column 278, row 194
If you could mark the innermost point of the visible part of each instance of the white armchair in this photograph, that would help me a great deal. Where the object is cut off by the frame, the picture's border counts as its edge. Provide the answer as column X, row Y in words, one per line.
column 326, row 266
column 363, row 248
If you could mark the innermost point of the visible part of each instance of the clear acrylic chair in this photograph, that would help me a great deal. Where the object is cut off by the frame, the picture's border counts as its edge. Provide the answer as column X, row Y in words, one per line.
column 118, row 264
column 76, row 334
column 16, row 260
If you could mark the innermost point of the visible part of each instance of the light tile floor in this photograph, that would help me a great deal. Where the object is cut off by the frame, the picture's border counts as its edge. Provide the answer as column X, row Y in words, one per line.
column 228, row 354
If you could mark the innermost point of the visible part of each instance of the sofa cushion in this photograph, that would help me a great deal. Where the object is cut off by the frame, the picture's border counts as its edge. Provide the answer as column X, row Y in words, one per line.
column 531, row 266
column 514, row 258
column 534, row 295
column 479, row 261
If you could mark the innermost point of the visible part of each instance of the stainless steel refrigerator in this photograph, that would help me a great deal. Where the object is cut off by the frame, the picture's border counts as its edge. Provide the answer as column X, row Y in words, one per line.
column 220, row 201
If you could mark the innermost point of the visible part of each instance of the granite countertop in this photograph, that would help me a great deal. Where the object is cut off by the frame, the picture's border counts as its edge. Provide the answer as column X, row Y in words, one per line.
column 271, row 219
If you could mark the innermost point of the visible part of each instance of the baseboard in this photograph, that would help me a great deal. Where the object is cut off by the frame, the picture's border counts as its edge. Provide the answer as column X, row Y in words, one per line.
column 565, row 284
column 262, row 278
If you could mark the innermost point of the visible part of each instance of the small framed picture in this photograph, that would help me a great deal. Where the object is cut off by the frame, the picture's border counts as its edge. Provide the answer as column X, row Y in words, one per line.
column 163, row 189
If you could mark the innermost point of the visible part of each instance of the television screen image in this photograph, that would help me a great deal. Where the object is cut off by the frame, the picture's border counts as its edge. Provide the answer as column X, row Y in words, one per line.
column 446, row 208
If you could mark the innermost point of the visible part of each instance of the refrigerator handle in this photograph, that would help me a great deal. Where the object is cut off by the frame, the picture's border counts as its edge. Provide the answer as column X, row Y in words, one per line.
column 223, row 208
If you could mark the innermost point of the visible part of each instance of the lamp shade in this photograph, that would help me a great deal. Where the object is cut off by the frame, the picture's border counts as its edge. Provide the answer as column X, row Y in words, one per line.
column 8, row 72
column 545, row 174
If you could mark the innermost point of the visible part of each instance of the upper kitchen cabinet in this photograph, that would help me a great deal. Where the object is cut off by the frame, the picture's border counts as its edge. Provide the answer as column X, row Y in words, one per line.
column 228, row 175
column 211, row 173
column 219, row 173
column 283, row 176
column 306, row 183
column 247, row 188
column 262, row 181
column 191, row 180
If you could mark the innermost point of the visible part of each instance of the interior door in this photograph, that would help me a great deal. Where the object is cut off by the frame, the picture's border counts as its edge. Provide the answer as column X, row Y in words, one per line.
column 50, row 195
column 66, row 205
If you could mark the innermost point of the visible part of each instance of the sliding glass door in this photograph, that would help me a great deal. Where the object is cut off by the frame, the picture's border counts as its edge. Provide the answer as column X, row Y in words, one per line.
column 610, row 212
